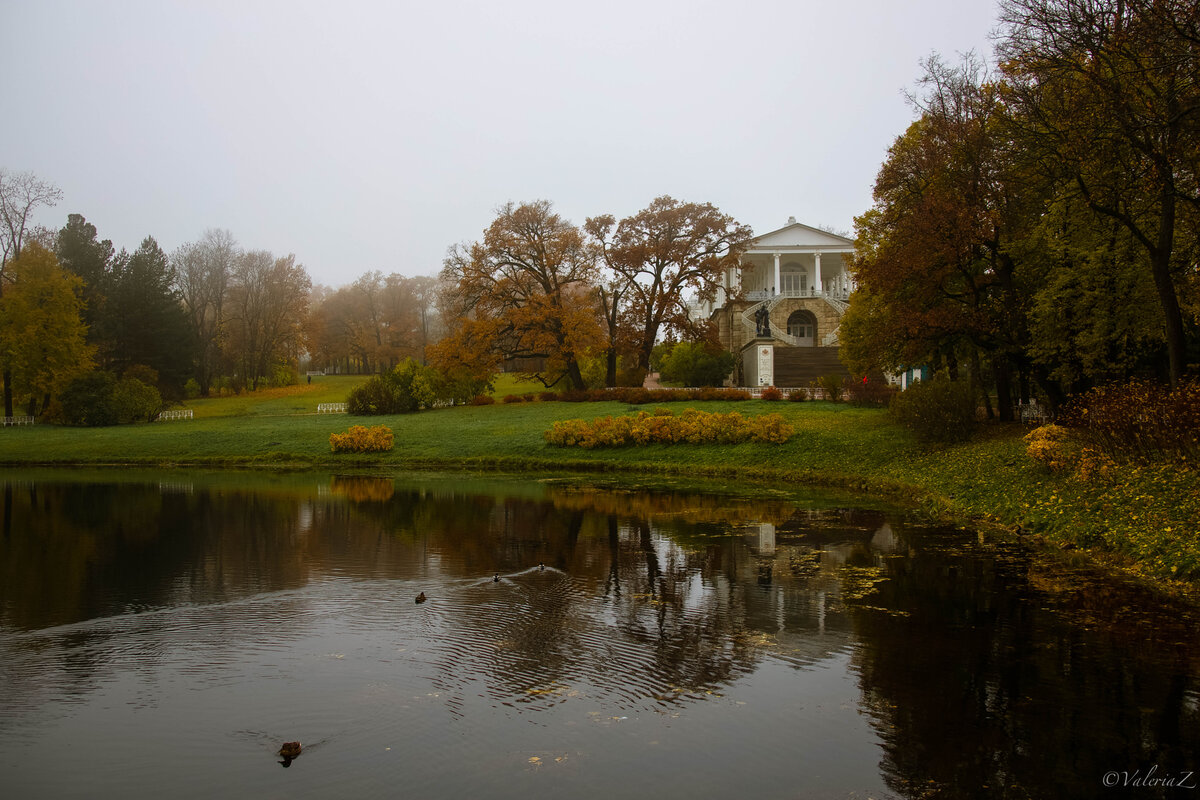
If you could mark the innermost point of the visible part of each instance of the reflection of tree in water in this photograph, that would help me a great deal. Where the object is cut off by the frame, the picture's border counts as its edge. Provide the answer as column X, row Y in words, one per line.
column 650, row 601
column 979, row 690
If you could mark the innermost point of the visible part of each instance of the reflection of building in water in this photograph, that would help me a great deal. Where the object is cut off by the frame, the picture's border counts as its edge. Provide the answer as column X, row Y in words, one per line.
column 789, row 576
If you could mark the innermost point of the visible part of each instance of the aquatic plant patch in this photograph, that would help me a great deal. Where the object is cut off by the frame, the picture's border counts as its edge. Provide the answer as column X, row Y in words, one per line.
column 665, row 427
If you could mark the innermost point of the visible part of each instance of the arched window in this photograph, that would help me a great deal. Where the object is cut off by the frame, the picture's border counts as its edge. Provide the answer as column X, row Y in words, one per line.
column 803, row 326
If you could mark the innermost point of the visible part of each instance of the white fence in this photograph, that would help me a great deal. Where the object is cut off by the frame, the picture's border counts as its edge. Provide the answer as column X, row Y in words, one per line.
column 178, row 413
column 331, row 408
column 6, row 421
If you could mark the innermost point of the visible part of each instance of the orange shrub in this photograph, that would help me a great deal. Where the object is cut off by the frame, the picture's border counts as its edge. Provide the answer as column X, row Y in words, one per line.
column 360, row 439
column 663, row 427
column 771, row 393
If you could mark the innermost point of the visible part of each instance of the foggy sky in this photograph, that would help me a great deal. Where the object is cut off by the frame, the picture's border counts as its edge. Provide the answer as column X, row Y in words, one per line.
column 365, row 136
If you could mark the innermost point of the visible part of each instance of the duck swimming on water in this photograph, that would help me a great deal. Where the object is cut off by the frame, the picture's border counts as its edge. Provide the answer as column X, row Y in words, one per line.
column 496, row 579
column 421, row 598
column 290, row 750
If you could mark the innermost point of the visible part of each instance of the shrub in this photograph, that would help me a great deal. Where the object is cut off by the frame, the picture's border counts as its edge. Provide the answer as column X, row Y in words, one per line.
column 1139, row 421
column 482, row 400
column 283, row 374
column 832, row 384
column 939, row 410
column 360, row 439
column 513, row 398
column 458, row 386
column 191, row 389
column 133, row 401
column 406, row 388
column 697, row 364
column 1048, row 445
column 771, row 393
column 88, row 400
column 547, row 397
column 723, row 394
column 797, row 395
column 664, row 427
column 868, row 392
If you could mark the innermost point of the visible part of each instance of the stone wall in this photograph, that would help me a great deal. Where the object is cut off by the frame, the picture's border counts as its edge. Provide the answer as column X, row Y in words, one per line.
column 827, row 316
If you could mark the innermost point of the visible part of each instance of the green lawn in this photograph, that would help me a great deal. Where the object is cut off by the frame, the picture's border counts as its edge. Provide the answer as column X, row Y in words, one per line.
column 1144, row 513
column 301, row 399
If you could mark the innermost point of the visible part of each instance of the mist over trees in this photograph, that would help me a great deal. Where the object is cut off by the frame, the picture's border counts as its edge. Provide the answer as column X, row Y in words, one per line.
column 101, row 326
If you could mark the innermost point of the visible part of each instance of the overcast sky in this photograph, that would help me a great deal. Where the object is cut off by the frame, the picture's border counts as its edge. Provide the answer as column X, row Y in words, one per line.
column 365, row 136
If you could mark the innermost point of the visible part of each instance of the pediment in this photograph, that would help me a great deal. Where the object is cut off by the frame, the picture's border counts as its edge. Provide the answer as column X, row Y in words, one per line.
column 798, row 234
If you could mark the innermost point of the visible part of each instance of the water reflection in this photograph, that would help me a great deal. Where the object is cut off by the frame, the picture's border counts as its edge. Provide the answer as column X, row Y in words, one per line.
column 935, row 664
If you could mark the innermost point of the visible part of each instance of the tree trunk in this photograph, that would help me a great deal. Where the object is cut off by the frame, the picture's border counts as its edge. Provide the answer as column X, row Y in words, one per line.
column 574, row 374
column 8, row 397
column 979, row 383
column 610, row 367
column 1003, row 388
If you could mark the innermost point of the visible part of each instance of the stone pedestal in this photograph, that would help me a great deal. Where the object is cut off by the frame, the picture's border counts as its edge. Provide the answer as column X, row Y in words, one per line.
column 758, row 362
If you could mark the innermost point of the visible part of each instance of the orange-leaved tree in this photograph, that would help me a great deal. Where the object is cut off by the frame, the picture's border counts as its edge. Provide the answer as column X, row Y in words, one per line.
column 660, row 255
column 525, row 291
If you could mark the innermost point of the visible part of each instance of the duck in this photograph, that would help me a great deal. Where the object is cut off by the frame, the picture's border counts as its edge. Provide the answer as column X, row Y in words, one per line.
column 290, row 749
column 421, row 598
column 496, row 578
column 541, row 565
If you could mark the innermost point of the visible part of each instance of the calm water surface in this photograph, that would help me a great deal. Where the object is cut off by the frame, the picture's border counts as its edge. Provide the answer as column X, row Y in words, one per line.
column 165, row 633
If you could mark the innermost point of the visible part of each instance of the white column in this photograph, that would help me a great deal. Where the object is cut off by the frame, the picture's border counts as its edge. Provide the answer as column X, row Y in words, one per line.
column 817, row 286
column 777, row 281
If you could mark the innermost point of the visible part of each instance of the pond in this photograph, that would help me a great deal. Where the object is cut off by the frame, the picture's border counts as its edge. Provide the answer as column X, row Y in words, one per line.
column 167, row 632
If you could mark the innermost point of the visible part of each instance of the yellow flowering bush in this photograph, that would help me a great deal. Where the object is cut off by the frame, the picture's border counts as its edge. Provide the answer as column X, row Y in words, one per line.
column 1048, row 444
column 1093, row 464
column 361, row 439
column 664, row 427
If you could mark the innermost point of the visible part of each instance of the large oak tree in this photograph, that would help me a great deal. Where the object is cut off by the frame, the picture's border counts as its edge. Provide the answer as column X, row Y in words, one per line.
column 524, row 291
column 661, row 256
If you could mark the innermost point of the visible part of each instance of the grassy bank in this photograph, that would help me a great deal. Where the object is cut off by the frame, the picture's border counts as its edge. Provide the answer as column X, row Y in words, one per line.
column 1147, row 515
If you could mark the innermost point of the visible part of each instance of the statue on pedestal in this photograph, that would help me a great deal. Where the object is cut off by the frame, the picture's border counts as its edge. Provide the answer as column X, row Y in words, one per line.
column 762, row 321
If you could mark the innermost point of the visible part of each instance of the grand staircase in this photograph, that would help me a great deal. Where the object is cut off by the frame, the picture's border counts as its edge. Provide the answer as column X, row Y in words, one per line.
column 800, row 366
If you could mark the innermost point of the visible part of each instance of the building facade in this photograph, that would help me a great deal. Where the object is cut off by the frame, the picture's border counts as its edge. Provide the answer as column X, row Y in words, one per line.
column 779, row 312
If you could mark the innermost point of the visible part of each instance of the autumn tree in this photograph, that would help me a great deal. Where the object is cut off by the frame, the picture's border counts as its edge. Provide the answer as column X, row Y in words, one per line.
column 935, row 260
column 267, row 303
column 526, row 290
column 202, row 273
column 21, row 194
column 660, row 256
column 42, row 334
column 1108, row 91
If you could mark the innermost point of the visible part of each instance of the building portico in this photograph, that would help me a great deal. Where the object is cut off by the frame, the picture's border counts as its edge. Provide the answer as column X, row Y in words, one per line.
column 798, row 278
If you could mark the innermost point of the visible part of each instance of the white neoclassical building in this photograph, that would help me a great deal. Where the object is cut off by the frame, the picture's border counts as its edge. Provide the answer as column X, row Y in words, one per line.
column 780, row 310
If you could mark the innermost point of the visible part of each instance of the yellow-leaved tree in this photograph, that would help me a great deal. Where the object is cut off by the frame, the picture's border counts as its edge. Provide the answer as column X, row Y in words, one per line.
column 42, row 334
